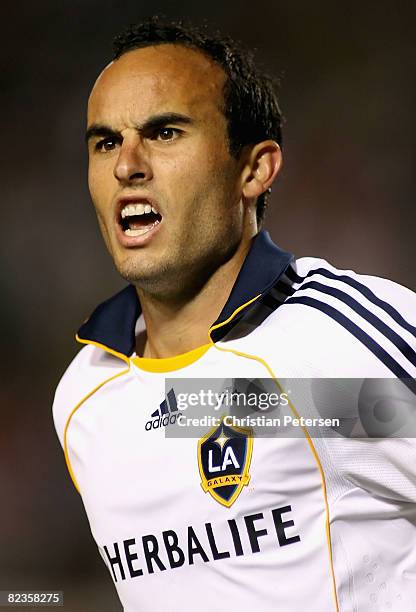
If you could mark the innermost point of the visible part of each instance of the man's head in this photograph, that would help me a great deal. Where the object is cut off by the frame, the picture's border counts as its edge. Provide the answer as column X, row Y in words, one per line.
column 249, row 103
column 182, row 122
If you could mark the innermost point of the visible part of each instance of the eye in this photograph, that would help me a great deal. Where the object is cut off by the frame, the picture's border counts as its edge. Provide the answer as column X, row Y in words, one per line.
column 107, row 144
column 167, row 133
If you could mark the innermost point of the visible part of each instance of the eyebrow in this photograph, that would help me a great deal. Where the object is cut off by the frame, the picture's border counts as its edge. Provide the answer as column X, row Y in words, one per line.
column 152, row 123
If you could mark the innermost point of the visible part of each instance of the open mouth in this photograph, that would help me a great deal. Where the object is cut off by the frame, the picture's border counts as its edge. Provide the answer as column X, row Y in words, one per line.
column 138, row 219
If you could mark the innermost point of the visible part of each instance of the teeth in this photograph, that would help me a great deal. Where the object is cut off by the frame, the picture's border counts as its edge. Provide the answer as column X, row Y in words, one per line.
column 141, row 231
column 136, row 232
column 131, row 210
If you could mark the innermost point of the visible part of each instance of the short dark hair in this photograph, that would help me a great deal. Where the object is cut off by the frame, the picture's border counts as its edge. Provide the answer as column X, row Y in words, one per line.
column 250, row 102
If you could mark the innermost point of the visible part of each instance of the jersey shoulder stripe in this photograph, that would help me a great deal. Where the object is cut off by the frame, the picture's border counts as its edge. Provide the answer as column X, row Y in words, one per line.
column 399, row 342
column 363, row 289
column 359, row 334
column 345, row 298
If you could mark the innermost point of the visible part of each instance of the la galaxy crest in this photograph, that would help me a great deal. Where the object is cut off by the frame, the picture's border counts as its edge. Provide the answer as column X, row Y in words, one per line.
column 224, row 456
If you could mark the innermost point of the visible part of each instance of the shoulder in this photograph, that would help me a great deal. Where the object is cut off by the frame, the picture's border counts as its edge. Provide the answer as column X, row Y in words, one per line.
column 89, row 368
column 352, row 324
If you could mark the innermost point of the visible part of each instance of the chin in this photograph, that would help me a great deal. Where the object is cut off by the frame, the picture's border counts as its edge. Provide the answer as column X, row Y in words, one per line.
column 140, row 272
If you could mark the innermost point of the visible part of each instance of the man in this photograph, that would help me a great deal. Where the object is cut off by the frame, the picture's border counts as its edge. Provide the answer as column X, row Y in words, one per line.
column 184, row 144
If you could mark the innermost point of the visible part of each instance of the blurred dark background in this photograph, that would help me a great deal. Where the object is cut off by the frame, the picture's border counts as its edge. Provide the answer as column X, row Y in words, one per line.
column 346, row 193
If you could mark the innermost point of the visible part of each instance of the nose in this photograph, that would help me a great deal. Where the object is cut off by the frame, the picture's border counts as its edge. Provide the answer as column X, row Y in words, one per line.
column 132, row 164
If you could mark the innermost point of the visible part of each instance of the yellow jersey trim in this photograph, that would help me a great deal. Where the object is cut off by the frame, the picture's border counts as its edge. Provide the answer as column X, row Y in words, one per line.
column 231, row 317
column 315, row 454
column 104, row 347
column 66, row 452
column 165, row 364
column 169, row 364
column 305, row 431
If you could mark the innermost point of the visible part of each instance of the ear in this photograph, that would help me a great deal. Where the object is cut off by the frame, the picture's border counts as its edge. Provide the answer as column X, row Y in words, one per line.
column 261, row 168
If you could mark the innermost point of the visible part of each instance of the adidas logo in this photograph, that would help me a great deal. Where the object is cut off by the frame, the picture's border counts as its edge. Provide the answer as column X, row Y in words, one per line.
column 166, row 413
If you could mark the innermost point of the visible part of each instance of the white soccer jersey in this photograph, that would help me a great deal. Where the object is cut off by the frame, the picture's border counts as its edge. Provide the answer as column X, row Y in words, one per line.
column 232, row 519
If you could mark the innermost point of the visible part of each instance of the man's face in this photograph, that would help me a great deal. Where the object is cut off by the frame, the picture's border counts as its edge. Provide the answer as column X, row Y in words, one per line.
column 166, row 190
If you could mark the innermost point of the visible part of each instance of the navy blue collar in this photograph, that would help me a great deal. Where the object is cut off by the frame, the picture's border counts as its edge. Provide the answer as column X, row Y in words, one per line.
column 112, row 324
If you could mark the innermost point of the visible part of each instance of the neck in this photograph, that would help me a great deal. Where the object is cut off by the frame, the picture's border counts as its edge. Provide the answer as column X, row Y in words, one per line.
column 178, row 326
